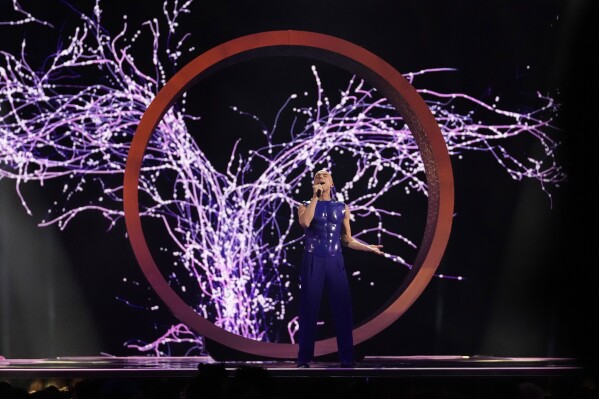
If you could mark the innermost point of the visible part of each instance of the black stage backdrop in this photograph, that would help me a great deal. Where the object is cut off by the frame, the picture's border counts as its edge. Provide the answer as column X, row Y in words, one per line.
column 529, row 263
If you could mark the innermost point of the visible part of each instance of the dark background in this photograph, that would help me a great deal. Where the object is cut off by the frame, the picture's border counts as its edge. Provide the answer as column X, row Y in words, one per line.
column 530, row 265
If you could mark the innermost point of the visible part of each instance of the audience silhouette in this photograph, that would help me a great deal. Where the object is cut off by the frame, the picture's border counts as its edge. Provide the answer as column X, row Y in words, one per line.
column 216, row 381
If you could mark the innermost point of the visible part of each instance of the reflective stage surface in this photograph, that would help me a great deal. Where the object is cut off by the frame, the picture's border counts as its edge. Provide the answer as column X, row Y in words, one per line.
column 380, row 377
column 370, row 366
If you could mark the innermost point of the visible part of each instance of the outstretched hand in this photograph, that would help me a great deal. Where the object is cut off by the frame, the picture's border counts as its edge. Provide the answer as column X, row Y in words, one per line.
column 376, row 249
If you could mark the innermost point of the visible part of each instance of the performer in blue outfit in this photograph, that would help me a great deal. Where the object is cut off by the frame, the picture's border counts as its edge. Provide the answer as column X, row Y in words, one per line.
column 327, row 227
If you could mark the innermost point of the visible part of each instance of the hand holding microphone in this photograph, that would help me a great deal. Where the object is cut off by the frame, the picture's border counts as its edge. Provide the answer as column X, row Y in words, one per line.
column 318, row 188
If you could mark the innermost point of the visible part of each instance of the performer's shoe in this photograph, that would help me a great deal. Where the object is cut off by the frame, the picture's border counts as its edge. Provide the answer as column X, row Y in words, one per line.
column 303, row 366
column 348, row 365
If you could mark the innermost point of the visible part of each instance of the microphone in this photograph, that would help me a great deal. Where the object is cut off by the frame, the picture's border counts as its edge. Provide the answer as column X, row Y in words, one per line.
column 319, row 191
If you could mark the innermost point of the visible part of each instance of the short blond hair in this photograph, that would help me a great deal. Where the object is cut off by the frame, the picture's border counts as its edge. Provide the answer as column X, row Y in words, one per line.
column 323, row 170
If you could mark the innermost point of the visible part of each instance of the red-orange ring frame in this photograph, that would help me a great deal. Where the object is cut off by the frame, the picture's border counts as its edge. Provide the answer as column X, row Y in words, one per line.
column 398, row 91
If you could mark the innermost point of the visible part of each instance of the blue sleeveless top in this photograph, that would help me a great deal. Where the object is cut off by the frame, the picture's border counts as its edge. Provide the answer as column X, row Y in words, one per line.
column 323, row 236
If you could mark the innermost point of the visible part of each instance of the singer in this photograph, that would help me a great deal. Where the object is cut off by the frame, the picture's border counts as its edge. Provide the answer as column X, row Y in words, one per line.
column 327, row 227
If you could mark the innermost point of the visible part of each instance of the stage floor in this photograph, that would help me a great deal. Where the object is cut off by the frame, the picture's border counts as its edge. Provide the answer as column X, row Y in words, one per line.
column 370, row 366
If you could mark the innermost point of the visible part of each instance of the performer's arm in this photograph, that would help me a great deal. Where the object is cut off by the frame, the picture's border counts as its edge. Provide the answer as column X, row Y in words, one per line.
column 306, row 213
column 350, row 242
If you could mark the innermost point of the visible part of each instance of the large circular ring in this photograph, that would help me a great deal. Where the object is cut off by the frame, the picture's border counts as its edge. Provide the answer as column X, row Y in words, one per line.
column 400, row 93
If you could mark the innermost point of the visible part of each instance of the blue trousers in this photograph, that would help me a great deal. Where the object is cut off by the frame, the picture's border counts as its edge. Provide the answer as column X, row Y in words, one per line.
column 320, row 273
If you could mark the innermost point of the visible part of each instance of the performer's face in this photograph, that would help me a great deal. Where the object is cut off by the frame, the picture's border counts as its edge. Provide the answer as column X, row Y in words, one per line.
column 323, row 176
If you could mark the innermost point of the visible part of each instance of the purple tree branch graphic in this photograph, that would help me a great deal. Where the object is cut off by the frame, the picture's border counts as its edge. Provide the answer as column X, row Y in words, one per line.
column 24, row 17
column 229, row 240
